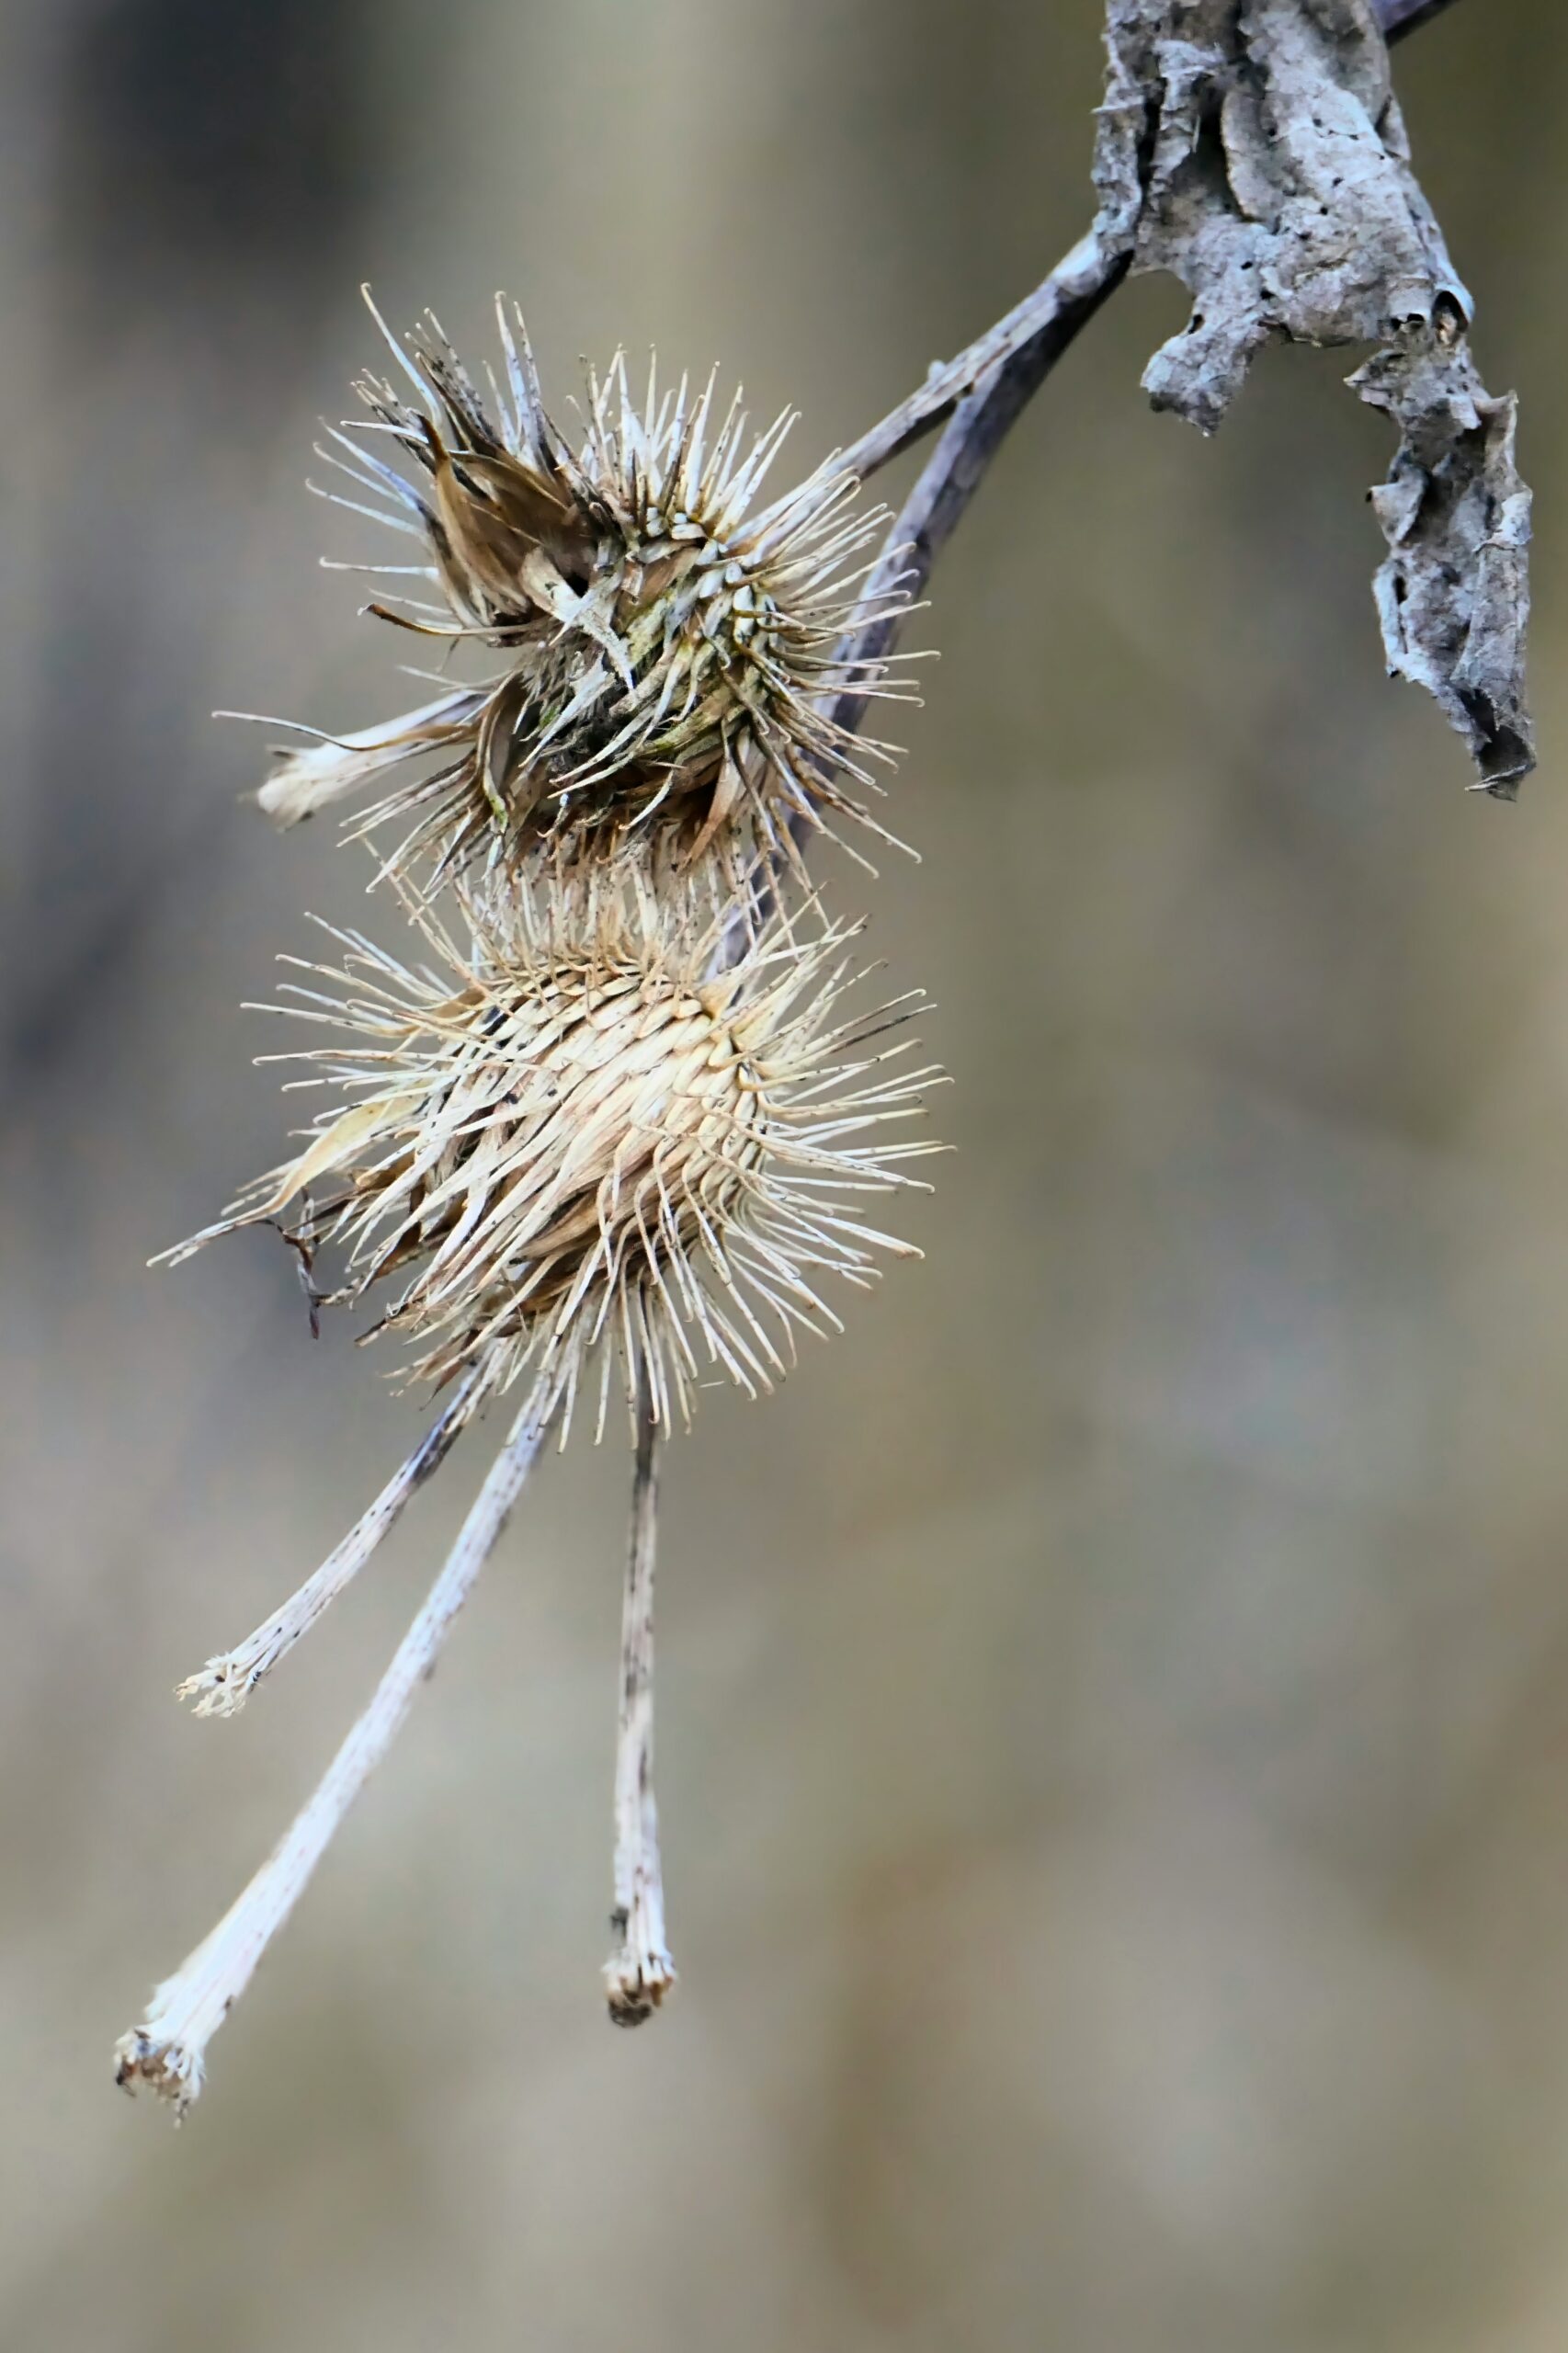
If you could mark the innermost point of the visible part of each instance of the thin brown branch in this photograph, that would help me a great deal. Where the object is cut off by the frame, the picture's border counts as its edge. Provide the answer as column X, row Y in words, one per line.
column 1025, row 341
column 1027, row 345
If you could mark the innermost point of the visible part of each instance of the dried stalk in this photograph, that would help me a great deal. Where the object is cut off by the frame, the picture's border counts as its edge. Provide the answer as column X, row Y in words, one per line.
column 1398, row 18
column 168, row 2048
column 224, row 1684
column 1014, row 361
column 995, row 376
column 638, row 1977
column 1012, row 358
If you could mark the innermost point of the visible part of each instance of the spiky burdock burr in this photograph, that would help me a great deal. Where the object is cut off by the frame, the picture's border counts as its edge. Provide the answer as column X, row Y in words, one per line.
column 583, row 1125
column 664, row 648
column 581, row 1136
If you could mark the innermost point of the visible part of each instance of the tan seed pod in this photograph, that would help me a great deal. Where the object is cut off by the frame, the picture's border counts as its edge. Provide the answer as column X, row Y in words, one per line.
column 664, row 645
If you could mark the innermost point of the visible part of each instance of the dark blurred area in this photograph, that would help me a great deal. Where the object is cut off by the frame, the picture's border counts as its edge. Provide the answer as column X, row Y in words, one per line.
column 1113, row 1722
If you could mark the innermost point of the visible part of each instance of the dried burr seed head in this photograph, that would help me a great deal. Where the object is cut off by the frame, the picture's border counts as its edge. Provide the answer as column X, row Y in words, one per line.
column 664, row 646
column 582, row 1131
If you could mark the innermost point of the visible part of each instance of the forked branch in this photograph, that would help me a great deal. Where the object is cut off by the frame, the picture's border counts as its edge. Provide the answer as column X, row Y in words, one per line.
column 168, row 2048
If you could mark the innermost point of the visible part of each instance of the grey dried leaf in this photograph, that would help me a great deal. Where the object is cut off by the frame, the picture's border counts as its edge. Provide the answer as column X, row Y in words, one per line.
column 1453, row 592
column 1254, row 149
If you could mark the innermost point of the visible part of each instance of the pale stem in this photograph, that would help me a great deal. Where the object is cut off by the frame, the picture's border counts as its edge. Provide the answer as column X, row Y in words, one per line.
column 639, row 1976
column 167, row 2050
column 224, row 1684
column 1028, row 338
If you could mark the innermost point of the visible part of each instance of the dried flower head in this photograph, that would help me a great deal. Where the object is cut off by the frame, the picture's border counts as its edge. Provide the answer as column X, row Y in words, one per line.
column 666, row 646
column 583, row 1127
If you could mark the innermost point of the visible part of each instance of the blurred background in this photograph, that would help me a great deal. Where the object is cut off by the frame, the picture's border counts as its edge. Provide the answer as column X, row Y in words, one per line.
column 1113, row 1735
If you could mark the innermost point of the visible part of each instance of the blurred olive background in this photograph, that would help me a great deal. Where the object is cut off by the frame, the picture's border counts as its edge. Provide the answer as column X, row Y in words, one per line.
column 1113, row 1737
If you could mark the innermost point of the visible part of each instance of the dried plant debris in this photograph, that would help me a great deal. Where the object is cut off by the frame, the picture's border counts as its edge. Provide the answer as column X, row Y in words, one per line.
column 1256, row 152
column 662, row 647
